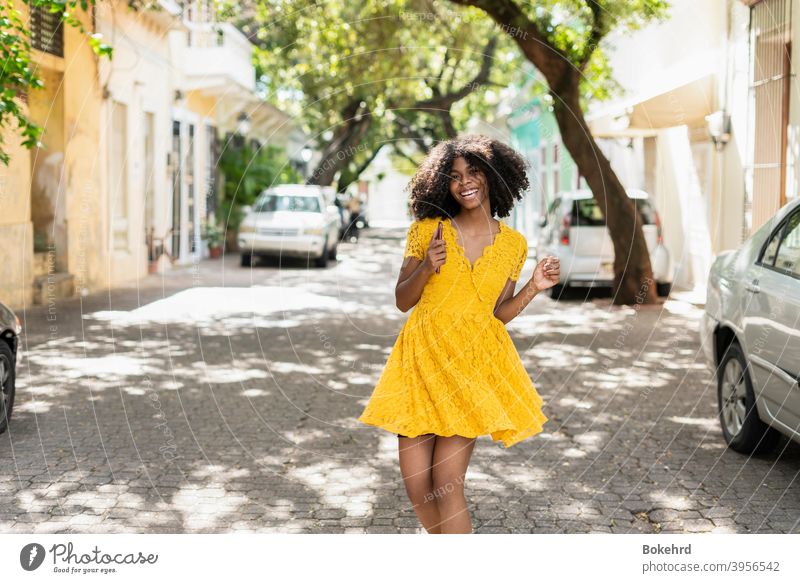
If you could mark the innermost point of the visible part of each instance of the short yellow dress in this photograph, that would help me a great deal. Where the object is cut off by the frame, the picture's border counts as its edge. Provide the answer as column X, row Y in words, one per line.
column 454, row 370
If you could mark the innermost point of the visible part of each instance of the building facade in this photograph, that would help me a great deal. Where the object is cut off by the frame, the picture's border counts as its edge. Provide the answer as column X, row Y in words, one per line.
column 707, row 124
column 126, row 175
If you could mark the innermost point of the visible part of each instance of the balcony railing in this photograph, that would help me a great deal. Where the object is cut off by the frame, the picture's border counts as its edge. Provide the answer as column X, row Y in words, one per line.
column 216, row 55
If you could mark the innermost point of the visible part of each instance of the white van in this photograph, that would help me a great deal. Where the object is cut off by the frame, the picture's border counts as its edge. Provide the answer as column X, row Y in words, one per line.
column 574, row 230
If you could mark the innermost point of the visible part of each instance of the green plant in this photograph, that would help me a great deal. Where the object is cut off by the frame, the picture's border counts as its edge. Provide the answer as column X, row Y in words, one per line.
column 213, row 235
column 249, row 170
column 17, row 76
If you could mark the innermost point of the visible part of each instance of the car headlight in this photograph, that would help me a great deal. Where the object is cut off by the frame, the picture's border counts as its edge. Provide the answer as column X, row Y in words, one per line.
column 247, row 229
column 314, row 231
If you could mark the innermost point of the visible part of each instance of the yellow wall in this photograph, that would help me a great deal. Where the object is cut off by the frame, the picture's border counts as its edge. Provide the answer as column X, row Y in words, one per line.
column 85, row 201
column 67, row 108
column 200, row 104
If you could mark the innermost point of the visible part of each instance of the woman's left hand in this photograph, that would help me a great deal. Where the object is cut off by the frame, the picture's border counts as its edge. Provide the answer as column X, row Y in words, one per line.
column 547, row 273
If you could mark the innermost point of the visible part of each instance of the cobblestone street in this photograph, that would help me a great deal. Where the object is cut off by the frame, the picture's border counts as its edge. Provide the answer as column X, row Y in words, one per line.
column 219, row 398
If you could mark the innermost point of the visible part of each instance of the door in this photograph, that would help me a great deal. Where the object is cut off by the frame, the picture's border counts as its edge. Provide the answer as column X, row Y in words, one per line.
column 177, row 181
column 771, row 310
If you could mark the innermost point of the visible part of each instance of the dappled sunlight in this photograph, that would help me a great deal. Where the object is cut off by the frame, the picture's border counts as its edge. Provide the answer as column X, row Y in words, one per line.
column 206, row 502
column 706, row 423
column 111, row 366
column 349, row 487
column 205, row 305
column 295, row 367
column 661, row 500
column 683, row 309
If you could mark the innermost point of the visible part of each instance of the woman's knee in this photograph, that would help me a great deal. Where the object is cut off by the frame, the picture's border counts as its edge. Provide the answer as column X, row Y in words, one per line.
column 447, row 484
column 419, row 490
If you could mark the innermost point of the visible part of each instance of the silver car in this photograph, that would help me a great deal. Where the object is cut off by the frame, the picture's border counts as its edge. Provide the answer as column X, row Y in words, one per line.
column 751, row 335
column 10, row 356
column 293, row 220
column 574, row 230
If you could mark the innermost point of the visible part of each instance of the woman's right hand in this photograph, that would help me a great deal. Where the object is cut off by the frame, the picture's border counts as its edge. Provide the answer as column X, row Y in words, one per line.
column 436, row 255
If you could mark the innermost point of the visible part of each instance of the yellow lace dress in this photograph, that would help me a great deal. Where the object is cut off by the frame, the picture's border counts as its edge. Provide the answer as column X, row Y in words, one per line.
column 454, row 370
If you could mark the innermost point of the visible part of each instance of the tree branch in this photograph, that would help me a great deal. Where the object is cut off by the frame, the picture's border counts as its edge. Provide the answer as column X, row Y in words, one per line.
column 550, row 61
column 446, row 101
column 595, row 36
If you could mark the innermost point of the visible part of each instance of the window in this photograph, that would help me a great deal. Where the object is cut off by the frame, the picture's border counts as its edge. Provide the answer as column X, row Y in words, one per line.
column 47, row 31
column 788, row 256
column 212, row 153
column 149, row 172
column 119, row 175
column 770, row 81
column 543, row 172
column 556, row 168
column 768, row 257
column 270, row 203
column 646, row 211
column 587, row 213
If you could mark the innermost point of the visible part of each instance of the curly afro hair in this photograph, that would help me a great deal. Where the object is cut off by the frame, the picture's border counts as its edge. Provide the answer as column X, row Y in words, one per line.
column 503, row 167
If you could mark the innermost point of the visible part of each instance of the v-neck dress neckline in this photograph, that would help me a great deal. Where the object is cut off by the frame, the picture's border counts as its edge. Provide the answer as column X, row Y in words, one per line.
column 488, row 248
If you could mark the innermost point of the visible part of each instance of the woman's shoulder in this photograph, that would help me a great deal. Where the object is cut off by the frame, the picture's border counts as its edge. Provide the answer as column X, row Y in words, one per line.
column 515, row 236
column 428, row 220
column 425, row 224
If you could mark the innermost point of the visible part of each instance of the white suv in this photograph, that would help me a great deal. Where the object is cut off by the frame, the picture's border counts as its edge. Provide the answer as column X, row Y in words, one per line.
column 290, row 219
column 574, row 230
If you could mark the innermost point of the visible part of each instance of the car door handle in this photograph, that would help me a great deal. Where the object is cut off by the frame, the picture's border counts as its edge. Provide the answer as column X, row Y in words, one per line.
column 752, row 287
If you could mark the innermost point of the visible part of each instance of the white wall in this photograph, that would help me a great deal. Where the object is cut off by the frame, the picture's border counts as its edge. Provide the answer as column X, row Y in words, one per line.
column 138, row 76
column 387, row 196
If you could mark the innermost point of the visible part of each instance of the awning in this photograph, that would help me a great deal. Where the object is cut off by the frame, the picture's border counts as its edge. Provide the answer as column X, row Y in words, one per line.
column 687, row 104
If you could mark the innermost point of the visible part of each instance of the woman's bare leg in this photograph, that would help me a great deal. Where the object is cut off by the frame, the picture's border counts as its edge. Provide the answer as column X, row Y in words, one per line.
column 416, row 458
column 451, row 457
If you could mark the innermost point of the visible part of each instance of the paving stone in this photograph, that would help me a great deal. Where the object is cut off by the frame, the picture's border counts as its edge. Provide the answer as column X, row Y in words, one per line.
column 273, row 452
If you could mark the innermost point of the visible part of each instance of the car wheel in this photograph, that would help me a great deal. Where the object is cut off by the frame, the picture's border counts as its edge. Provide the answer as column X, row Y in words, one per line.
column 332, row 254
column 7, row 382
column 558, row 291
column 322, row 260
column 247, row 259
column 742, row 428
column 663, row 288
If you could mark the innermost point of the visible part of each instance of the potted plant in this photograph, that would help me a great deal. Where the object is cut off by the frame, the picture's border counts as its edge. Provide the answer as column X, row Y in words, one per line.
column 212, row 234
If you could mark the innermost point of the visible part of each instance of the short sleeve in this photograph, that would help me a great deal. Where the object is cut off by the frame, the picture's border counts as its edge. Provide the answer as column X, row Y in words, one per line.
column 414, row 247
column 521, row 258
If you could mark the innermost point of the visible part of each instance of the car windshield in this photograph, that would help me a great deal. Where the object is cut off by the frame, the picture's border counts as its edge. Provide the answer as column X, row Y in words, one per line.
column 269, row 203
column 586, row 212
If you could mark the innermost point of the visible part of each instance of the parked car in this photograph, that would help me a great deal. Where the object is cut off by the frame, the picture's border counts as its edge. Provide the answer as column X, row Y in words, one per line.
column 342, row 212
column 574, row 230
column 750, row 334
column 9, row 344
column 293, row 220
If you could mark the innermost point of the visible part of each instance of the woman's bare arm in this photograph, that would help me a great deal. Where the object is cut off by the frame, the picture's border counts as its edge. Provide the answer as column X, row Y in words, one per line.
column 414, row 274
column 410, row 283
column 546, row 274
column 508, row 305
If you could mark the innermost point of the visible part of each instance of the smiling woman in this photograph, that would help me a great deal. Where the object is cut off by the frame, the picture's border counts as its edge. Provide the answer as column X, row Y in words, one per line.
column 454, row 373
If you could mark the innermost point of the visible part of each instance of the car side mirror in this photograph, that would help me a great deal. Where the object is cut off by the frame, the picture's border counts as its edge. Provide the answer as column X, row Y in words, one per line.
column 246, row 209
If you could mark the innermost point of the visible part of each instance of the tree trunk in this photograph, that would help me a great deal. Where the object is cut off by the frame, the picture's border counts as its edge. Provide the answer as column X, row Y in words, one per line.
column 348, row 178
column 633, row 274
column 344, row 146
